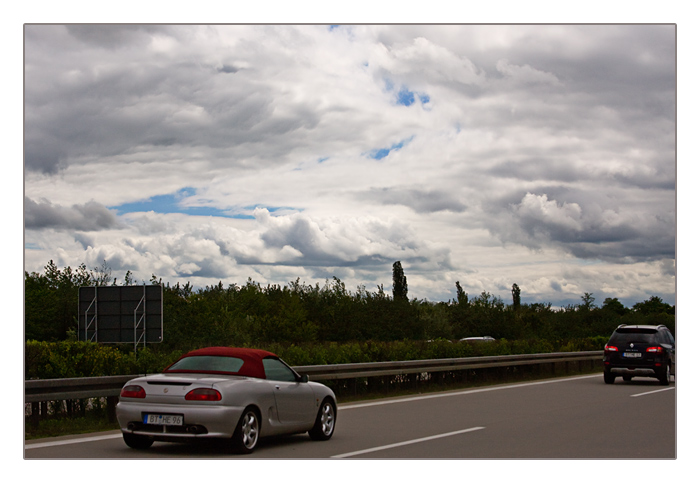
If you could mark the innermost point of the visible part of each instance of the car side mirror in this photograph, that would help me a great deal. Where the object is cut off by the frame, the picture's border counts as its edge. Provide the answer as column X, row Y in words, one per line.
column 304, row 378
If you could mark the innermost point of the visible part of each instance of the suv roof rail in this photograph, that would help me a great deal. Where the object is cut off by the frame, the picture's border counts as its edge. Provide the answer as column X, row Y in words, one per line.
column 659, row 326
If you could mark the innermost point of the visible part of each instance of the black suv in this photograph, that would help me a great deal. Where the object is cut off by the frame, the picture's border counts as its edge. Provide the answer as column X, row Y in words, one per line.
column 640, row 350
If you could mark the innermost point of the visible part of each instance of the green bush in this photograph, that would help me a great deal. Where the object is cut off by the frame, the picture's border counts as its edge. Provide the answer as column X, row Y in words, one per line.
column 49, row 360
column 65, row 359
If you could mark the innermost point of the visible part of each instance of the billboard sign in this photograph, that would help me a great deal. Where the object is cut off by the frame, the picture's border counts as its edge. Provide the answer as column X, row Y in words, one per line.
column 121, row 314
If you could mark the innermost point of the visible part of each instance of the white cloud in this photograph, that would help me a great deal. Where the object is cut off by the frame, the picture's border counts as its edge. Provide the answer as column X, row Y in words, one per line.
column 538, row 210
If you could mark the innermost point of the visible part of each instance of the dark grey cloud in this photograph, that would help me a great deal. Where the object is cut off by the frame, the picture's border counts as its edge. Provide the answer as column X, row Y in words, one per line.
column 538, row 169
column 43, row 154
column 90, row 216
column 116, row 260
column 581, row 224
column 114, row 36
column 118, row 98
column 658, row 175
column 662, row 179
column 308, row 239
column 419, row 200
column 228, row 69
column 208, row 268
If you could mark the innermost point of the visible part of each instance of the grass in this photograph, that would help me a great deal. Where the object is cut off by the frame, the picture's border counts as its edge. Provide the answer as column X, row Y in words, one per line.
column 49, row 428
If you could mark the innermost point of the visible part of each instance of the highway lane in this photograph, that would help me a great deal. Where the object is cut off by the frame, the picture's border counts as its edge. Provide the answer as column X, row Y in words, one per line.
column 574, row 417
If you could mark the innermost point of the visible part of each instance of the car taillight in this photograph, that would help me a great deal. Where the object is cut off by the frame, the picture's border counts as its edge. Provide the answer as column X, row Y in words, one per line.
column 610, row 348
column 133, row 391
column 203, row 394
column 655, row 349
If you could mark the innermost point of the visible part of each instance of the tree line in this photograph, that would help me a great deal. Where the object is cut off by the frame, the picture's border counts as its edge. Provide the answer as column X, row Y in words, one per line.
column 296, row 313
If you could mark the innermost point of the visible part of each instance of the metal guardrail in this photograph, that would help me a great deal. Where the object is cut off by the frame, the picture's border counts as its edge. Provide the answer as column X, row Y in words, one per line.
column 40, row 390
column 391, row 368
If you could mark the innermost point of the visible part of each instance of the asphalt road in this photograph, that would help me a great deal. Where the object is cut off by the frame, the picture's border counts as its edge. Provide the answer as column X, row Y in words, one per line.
column 575, row 417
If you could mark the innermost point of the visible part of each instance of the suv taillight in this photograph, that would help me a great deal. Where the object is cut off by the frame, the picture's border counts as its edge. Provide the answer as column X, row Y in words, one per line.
column 655, row 349
column 203, row 394
column 133, row 391
column 610, row 348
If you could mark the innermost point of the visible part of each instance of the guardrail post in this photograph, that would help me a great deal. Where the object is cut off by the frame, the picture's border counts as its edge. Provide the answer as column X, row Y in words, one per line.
column 112, row 408
column 34, row 416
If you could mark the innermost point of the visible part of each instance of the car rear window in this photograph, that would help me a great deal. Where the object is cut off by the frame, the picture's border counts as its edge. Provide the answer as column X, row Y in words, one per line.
column 207, row 364
column 645, row 336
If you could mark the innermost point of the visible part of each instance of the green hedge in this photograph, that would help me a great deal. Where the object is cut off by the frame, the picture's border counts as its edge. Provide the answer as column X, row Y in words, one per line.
column 49, row 360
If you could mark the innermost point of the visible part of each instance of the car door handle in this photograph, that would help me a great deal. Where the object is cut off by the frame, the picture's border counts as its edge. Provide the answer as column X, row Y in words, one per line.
column 277, row 387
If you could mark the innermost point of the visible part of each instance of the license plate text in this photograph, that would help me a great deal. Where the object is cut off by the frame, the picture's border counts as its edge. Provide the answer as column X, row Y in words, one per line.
column 163, row 419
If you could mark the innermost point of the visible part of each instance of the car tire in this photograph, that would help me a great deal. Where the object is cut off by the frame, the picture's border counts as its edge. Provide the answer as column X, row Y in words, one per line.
column 325, row 421
column 665, row 376
column 245, row 437
column 136, row 441
column 608, row 377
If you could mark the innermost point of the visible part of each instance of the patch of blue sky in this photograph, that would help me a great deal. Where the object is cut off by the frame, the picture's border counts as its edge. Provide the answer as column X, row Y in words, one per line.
column 405, row 96
column 323, row 160
column 172, row 203
column 384, row 152
column 31, row 246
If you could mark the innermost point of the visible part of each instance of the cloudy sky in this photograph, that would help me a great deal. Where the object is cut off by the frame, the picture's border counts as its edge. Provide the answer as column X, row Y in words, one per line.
column 540, row 155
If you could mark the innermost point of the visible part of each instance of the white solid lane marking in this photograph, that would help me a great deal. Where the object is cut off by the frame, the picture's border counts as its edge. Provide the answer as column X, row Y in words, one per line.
column 404, row 443
column 71, row 441
column 652, row 392
column 461, row 393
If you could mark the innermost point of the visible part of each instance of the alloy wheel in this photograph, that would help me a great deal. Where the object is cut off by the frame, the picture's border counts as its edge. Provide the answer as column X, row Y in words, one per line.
column 249, row 430
column 327, row 419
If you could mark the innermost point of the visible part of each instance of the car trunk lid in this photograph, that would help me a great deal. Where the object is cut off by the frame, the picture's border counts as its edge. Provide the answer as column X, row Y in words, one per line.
column 172, row 388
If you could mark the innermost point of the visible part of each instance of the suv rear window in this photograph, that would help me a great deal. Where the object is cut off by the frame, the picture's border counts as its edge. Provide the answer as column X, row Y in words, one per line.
column 645, row 336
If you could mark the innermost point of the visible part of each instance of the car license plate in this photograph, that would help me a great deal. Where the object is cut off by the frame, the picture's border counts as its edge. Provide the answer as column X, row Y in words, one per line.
column 632, row 354
column 163, row 419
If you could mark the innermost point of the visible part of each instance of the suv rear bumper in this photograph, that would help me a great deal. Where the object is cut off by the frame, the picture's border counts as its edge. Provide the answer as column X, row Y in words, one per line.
column 637, row 371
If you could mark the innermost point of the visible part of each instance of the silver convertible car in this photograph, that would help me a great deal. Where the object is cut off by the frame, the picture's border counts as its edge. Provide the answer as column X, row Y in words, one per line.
column 238, row 395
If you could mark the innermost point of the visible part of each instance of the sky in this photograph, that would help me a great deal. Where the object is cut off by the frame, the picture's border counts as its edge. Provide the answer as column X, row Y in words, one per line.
column 541, row 155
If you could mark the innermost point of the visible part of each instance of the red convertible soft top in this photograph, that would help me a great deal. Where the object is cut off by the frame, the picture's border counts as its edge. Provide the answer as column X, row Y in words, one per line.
column 252, row 359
